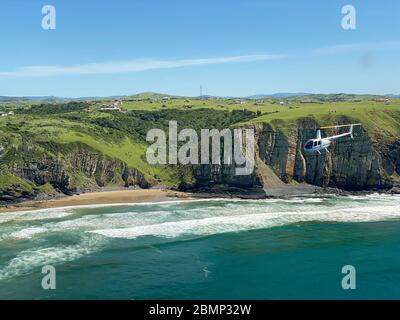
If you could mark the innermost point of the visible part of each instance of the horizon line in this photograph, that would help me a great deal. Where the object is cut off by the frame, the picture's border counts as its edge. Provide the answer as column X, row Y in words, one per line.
column 292, row 94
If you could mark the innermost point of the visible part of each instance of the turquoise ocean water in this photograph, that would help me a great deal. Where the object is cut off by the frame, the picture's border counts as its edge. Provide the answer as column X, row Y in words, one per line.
column 206, row 249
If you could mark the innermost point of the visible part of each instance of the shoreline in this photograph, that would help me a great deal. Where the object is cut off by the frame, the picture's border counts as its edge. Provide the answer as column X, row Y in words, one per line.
column 98, row 198
column 133, row 196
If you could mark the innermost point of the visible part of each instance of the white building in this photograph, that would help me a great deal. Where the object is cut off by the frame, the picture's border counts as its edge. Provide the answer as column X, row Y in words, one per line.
column 5, row 114
column 385, row 100
column 117, row 103
column 113, row 108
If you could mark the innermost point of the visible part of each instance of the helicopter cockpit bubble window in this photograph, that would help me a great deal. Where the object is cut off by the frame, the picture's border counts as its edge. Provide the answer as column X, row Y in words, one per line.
column 309, row 145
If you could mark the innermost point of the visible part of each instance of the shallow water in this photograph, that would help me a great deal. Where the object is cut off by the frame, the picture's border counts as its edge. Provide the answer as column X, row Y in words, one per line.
column 242, row 249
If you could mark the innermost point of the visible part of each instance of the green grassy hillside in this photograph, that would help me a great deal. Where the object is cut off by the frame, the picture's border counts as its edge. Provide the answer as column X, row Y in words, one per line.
column 379, row 120
column 119, row 135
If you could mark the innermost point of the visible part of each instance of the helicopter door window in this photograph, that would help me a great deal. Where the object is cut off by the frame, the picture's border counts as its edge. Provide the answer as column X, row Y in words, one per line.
column 319, row 143
column 315, row 143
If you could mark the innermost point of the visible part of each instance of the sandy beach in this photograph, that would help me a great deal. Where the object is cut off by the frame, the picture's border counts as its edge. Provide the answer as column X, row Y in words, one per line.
column 102, row 197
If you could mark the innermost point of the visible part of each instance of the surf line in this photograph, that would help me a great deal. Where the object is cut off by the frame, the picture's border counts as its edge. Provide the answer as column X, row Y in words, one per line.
column 161, row 310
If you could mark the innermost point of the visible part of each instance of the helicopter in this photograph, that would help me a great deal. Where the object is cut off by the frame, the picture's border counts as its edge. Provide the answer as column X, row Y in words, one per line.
column 318, row 144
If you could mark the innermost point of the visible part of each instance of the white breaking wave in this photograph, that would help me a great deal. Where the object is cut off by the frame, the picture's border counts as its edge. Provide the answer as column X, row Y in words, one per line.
column 61, row 212
column 27, row 233
column 223, row 224
column 35, row 215
column 227, row 213
column 30, row 259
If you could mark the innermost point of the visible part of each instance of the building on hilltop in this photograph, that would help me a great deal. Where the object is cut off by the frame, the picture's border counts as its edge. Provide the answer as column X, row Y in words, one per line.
column 107, row 109
column 5, row 114
column 116, row 103
column 384, row 100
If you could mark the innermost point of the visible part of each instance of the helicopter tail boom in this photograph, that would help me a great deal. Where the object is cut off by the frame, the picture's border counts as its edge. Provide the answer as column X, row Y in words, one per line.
column 350, row 133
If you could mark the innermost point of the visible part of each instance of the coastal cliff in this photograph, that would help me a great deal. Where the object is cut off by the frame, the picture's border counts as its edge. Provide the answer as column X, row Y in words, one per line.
column 351, row 164
column 73, row 151
column 75, row 169
column 359, row 164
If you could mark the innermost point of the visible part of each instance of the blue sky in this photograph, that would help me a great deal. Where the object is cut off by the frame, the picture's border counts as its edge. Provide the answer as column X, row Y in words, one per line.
column 231, row 47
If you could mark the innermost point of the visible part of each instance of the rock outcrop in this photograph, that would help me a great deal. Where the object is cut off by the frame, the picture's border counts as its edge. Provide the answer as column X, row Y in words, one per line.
column 77, row 169
column 351, row 164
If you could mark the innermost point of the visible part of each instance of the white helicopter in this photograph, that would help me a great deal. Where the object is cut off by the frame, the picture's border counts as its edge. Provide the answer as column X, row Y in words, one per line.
column 318, row 144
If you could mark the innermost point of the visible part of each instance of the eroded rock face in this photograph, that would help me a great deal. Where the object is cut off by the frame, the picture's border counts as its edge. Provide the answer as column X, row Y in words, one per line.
column 77, row 170
column 357, row 164
column 224, row 175
column 105, row 170
column 213, row 178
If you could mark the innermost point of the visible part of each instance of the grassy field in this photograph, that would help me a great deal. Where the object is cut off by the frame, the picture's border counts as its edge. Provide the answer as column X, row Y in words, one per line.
column 379, row 119
column 188, row 104
column 376, row 118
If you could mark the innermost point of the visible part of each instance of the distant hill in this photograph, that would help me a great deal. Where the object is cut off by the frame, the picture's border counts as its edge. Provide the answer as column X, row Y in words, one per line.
column 150, row 95
column 5, row 98
column 157, row 96
column 278, row 95
column 42, row 98
column 341, row 97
